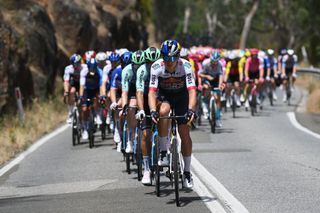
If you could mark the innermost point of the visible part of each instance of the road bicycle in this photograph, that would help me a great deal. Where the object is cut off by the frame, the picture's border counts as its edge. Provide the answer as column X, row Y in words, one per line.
column 213, row 109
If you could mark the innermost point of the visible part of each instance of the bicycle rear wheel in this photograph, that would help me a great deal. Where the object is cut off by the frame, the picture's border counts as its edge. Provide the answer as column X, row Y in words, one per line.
column 234, row 105
column 253, row 104
column 212, row 109
column 175, row 168
column 75, row 124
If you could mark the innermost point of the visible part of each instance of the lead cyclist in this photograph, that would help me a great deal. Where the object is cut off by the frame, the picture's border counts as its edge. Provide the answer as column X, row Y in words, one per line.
column 172, row 84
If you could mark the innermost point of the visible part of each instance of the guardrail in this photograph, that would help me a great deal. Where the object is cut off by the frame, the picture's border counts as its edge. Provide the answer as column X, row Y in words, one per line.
column 309, row 70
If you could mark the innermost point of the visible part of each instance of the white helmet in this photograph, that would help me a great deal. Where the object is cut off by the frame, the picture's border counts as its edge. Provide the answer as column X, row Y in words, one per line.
column 184, row 52
column 101, row 56
column 290, row 51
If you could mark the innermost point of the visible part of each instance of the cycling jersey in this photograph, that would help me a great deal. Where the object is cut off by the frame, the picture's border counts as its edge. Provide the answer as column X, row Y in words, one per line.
column 232, row 67
column 73, row 76
column 128, row 79
column 209, row 69
column 242, row 64
column 254, row 64
column 273, row 62
column 143, row 78
column 91, row 79
column 288, row 62
column 107, row 75
column 115, row 81
column 172, row 83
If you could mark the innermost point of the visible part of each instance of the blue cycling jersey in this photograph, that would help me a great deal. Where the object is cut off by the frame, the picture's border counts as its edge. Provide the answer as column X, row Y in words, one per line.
column 116, row 78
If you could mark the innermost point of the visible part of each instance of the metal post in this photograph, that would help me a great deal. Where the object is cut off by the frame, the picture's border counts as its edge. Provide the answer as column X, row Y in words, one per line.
column 19, row 105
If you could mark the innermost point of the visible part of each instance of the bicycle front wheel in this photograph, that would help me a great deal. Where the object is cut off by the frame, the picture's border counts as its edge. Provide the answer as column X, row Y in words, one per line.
column 212, row 115
column 175, row 168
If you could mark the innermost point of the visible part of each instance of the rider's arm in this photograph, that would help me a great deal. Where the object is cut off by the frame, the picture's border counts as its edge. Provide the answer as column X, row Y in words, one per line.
column 246, row 70
column 66, row 78
column 140, row 86
column 83, row 75
column 228, row 68
column 113, row 89
column 295, row 58
column 191, row 86
column 261, row 70
column 125, row 85
column 153, row 86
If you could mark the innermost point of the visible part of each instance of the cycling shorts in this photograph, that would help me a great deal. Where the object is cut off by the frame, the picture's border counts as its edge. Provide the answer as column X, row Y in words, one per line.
column 179, row 102
column 213, row 84
column 146, row 122
column 289, row 72
column 75, row 84
column 234, row 78
column 254, row 75
column 89, row 94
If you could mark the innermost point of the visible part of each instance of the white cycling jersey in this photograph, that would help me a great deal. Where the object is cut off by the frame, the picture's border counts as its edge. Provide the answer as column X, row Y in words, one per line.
column 70, row 72
column 208, row 69
column 182, row 78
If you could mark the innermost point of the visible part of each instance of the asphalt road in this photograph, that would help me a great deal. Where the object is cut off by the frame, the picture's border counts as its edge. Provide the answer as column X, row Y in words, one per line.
column 264, row 161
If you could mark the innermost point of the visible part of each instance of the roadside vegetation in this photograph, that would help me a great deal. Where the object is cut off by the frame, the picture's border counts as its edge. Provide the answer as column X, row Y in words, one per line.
column 40, row 118
column 311, row 84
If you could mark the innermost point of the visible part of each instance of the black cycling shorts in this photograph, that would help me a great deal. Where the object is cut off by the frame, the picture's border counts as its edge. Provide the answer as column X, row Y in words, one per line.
column 178, row 101
column 213, row 84
column 234, row 78
column 289, row 72
column 146, row 122
column 89, row 94
column 254, row 75
column 75, row 84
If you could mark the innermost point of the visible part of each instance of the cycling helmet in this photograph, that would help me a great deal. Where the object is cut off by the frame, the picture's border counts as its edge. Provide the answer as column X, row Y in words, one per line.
column 170, row 50
column 254, row 51
column 114, row 57
column 290, row 51
column 270, row 51
column 92, row 63
column 184, row 52
column 283, row 51
column 215, row 56
column 232, row 55
column 89, row 54
column 75, row 59
column 126, row 58
column 152, row 54
column 261, row 54
column 138, row 57
column 101, row 57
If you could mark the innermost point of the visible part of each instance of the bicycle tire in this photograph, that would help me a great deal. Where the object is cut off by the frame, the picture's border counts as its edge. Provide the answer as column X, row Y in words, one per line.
column 128, row 163
column 234, row 106
column 139, row 155
column 253, row 104
column 212, row 109
column 91, row 130
column 175, row 168
column 103, row 128
column 74, row 128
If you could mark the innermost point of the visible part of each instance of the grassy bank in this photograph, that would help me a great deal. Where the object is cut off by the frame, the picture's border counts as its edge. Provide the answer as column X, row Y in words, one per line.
column 40, row 118
column 312, row 85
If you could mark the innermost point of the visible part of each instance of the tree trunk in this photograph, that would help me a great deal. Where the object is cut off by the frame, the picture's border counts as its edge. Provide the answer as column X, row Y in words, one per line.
column 212, row 23
column 186, row 20
column 247, row 24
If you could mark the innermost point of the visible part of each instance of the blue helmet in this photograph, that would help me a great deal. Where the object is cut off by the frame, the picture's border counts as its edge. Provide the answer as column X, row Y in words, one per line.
column 215, row 56
column 170, row 48
column 75, row 59
column 114, row 57
column 126, row 58
column 92, row 64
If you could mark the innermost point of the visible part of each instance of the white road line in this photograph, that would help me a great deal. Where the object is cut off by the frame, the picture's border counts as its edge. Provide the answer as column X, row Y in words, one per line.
column 295, row 123
column 211, row 201
column 31, row 149
column 212, row 184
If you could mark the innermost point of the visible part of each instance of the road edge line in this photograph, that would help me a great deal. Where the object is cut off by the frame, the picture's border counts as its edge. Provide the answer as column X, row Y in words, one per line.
column 228, row 201
column 295, row 123
column 31, row 149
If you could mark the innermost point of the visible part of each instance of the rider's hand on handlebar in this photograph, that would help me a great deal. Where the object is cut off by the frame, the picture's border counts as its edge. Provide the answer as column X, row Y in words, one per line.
column 140, row 115
column 102, row 99
column 200, row 87
column 65, row 97
column 190, row 115
column 268, row 78
column 155, row 116
column 114, row 106
column 261, row 80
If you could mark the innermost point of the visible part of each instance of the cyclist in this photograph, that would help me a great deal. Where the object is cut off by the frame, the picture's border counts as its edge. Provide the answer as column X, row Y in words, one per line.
column 211, row 76
column 90, row 88
column 88, row 55
column 254, row 71
column 128, row 97
column 172, row 82
column 101, row 59
column 71, row 83
column 273, row 74
column 289, row 70
column 233, row 75
column 116, row 91
column 142, row 85
column 242, row 64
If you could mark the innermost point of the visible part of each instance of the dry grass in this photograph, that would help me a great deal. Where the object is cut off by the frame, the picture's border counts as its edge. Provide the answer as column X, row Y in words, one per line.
column 40, row 119
column 312, row 85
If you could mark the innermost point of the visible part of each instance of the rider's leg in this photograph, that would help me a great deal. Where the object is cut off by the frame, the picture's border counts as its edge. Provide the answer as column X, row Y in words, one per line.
column 164, row 110
column 186, row 145
column 205, row 100
column 132, row 123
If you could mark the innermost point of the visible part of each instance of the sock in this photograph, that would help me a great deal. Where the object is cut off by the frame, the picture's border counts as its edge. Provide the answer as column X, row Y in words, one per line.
column 163, row 143
column 130, row 134
column 146, row 160
column 187, row 163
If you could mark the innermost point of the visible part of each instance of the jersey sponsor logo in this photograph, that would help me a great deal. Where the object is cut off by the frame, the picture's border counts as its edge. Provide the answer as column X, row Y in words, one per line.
column 189, row 78
column 187, row 65
column 153, row 79
column 155, row 66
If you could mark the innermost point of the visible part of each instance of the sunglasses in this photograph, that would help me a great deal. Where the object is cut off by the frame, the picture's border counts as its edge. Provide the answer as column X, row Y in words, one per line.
column 170, row 58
